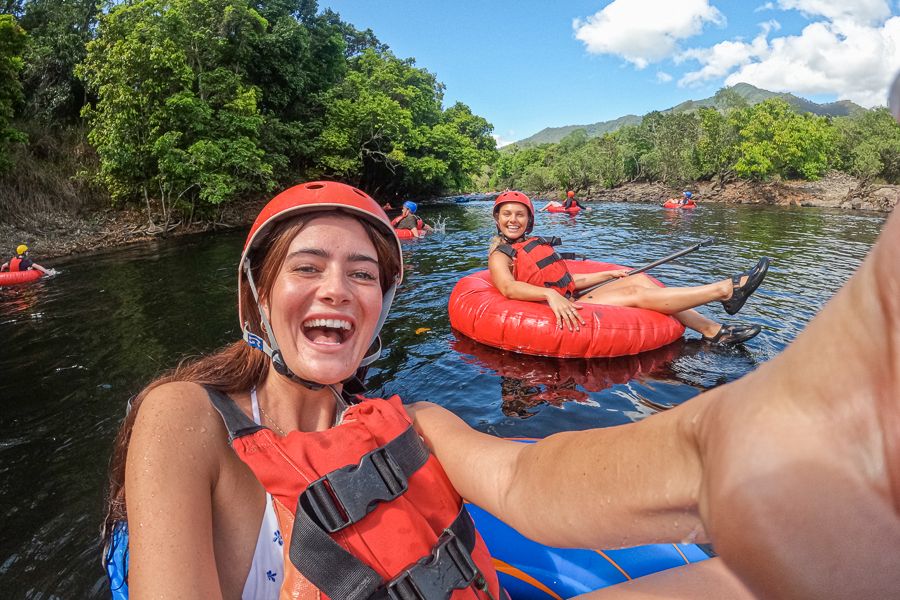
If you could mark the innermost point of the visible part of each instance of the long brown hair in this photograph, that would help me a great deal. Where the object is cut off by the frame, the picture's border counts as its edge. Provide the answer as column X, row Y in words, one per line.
column 237, row 367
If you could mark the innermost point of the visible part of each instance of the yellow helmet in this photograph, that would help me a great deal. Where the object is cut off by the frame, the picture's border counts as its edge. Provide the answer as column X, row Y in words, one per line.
column 21, row 249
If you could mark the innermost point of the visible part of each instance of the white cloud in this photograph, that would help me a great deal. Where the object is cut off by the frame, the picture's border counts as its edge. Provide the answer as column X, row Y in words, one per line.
column 719, row 60
column 503, row 141
column 644, row 31
column 864, row 12
column 852, row 61
column 663, row 77
column 766, row 6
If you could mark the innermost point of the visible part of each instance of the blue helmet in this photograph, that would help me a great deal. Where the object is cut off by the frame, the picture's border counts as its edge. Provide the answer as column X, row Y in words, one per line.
column 410, row 205
column 687, row 194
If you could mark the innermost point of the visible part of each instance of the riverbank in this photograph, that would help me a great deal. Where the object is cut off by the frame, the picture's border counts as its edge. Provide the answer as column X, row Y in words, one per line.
column 53, row 235
column 61, row 234
column 835, row 190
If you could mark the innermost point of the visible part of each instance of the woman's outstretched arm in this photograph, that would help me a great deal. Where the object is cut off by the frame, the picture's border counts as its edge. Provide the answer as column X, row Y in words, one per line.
column 793, row 471
column 577, row 489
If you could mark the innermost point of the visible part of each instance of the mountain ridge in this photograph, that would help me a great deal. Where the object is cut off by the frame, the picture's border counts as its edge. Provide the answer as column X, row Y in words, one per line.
column 749, row 93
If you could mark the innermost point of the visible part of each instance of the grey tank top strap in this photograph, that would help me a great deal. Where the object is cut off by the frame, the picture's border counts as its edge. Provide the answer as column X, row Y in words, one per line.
column 236, row 422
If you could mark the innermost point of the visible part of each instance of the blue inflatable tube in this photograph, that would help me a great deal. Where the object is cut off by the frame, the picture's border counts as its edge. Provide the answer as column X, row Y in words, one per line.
column 532, row 571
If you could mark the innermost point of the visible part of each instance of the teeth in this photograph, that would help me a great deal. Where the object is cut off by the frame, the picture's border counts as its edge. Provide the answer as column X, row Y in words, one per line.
column 329, row 323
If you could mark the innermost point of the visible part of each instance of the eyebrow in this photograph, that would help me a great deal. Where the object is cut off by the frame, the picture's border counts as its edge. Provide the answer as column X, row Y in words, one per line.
column 354, row 257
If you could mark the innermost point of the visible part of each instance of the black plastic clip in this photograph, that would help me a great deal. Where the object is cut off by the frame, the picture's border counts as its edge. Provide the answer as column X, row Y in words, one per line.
column 348, row 494
column 449, row 567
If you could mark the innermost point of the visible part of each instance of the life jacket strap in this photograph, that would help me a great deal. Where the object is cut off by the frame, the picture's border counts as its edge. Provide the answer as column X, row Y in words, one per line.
column 449, row 566
column 548, row 260
column 342, row 576
column 507, row 250
column 346, row 495
column 562, row 282
column 236, row 422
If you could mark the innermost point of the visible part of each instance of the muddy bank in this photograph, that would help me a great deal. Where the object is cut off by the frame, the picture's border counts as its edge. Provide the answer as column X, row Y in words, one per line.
column 836, row 190
column 61, row 234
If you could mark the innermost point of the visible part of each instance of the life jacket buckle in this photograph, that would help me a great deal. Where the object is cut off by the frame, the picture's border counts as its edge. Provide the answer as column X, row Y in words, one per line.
column 348, row 494
column 449, row 567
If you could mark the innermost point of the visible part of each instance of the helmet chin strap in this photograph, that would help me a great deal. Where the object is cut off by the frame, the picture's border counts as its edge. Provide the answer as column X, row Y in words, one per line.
column 272, row 350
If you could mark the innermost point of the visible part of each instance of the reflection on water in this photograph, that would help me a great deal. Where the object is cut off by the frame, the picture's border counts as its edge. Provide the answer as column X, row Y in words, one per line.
column 75, row 347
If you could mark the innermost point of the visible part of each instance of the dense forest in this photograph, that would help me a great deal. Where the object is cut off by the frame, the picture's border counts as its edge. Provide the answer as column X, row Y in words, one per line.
column 764, row 141
column 181, row 107
column 184, row 105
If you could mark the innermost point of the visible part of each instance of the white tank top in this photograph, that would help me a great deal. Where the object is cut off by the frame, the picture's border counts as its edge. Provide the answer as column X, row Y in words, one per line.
column 267, row 570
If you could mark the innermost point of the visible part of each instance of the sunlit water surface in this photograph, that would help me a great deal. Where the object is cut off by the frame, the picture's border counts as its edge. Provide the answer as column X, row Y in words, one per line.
column 73, row 349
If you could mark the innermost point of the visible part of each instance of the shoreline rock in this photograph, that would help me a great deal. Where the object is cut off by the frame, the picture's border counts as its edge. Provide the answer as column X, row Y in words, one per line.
column 835, row 190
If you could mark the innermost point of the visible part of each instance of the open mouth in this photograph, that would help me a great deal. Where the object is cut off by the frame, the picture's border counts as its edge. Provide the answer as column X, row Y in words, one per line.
column 327, row 331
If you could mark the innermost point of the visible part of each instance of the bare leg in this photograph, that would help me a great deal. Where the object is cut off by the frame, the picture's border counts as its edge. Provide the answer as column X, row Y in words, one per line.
column 639, row 292
column 694, row 320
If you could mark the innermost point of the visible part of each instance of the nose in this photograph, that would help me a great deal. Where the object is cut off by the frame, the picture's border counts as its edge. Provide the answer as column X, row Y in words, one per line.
column 334, row 287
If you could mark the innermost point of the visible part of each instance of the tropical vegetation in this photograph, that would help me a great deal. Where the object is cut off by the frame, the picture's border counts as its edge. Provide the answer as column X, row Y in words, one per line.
column 184, row 106
column 767, row 141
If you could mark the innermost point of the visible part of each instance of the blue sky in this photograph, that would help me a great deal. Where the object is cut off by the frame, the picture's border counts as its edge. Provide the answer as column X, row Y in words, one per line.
column 529, row 64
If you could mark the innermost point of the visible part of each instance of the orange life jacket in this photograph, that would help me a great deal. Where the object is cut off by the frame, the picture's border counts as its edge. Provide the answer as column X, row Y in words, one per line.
column 536, row 262
column 14, row 264
column 365, row 510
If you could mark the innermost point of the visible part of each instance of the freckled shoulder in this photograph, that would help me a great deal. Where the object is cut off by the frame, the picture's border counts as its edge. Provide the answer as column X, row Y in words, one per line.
column 181, row 416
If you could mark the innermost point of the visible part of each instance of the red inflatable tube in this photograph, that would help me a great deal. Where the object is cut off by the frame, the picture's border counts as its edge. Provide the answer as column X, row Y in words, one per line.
column 14, row 277
column 677, row 204
column 479, row 311
column 407, row 234
column 574, row 210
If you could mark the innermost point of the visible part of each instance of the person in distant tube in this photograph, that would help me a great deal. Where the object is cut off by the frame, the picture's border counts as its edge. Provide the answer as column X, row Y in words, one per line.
column 22, row 262
column 409, row 220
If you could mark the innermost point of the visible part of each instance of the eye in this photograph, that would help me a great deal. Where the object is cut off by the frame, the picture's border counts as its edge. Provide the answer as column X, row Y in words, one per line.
column 305, row 268
column 364, row 275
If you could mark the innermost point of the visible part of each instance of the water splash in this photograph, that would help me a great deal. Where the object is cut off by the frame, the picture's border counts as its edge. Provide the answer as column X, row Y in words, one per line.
column 439, row 224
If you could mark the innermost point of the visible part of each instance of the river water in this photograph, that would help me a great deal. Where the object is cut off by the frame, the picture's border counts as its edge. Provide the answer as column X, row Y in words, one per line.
column 73, row 349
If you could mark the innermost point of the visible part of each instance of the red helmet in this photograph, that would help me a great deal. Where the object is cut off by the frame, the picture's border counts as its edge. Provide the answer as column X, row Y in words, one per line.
column 513, row 196
column 570, row 194
column 315, row 196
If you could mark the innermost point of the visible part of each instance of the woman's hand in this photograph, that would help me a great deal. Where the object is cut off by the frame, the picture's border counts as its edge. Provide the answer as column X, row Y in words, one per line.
column 565, row 310
column 616, row 273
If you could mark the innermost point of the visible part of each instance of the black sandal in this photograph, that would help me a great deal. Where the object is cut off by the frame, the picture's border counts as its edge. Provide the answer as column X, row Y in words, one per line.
column 741, row 292
column 731, row 335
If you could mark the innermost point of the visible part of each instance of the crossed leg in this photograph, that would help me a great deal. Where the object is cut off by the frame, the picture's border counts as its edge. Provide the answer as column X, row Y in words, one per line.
column 639, row 291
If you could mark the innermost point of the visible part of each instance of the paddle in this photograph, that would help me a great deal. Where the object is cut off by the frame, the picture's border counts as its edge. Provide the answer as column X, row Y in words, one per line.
column 655, row 263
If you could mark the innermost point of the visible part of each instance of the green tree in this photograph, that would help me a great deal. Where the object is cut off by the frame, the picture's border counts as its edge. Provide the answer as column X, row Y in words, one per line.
column 674, row 138
column 775, row 140
column 634, row 142
column 869, row 145
column 386, row 131
column 12, row 45
column 717, row 145
column 58, row 32
column 174, row 120
column 610, row 161
column 517, row 168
